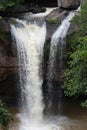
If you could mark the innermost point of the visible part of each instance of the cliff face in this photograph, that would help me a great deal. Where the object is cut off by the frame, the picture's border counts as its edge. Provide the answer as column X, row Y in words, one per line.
column 8, row 63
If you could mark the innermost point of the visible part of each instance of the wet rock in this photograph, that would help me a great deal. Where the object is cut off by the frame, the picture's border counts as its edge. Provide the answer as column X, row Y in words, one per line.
column 69, row 4
column 8, row 63
column 57, row 16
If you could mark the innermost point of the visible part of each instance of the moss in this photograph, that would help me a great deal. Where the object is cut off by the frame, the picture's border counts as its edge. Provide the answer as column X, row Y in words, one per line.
column 53, row 21
column 46, row 51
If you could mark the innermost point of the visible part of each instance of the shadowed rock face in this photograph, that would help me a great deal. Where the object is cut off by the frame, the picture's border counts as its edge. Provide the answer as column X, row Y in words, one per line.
column 8, row 64
column 69, row 4
column 43, row 3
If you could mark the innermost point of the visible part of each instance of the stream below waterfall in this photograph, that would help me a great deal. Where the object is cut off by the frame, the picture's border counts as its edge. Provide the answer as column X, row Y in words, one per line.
column 71, row 117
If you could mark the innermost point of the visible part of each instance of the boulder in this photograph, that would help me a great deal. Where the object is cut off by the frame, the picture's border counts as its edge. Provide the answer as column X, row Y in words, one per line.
column 69, row 4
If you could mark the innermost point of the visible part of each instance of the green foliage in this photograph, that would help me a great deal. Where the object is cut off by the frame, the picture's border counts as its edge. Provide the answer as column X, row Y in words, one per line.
column 84, row 104
column 76, row 75
column 8, row 3
column 5, row 116
column 52, row 21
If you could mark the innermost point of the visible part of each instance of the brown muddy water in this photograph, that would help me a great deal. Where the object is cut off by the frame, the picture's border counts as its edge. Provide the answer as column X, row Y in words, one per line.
column 68, row 116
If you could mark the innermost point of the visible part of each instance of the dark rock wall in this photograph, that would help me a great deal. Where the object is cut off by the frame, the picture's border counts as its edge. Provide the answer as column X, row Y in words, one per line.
column 69, row 4
column 43, row 3
column 8, row 65
column 48, row 3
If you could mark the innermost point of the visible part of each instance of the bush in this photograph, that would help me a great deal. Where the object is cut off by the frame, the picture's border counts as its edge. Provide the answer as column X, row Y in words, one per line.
column 76, row 74
column 5, row 116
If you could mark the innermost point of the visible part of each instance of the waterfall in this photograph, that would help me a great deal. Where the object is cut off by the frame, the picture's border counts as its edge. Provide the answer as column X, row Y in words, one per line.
column 57, row 43
column 29, row 35
column 30, row 38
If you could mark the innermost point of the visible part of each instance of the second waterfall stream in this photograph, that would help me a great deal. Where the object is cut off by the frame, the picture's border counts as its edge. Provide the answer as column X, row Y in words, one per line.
column 30, row 36
column 58, row 42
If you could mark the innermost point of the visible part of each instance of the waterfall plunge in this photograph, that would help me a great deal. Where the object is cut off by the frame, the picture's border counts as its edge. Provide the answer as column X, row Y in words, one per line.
column 57, row 38
column 30, row 38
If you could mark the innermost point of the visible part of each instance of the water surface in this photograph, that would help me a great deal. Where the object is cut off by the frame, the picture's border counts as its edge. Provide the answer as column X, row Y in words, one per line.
column 69, row 116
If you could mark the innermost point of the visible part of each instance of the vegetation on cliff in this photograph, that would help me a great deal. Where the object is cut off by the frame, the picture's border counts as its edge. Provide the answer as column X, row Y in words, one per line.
column 76, row 74
column 52, row 21
column 5, row 116
column 8, row 3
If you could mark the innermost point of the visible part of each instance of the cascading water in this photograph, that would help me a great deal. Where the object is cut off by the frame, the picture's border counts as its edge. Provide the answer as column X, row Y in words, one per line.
column 30, row 38
column 57, row 42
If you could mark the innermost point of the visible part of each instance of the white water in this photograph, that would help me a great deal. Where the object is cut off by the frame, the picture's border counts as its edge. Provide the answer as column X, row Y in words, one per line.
column 58, row 38
column 30, row 38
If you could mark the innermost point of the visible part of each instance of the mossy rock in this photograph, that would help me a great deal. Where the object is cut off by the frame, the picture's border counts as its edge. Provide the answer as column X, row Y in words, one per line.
column 52, row 21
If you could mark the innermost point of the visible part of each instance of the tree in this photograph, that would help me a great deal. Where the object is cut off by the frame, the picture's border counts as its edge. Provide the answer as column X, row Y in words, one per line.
column 5, row 116
column 76, row 74
column 8, row 3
